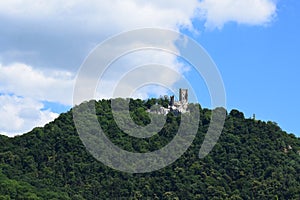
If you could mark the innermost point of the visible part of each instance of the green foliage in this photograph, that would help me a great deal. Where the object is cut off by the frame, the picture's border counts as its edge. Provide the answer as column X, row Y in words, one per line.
column 252, row 160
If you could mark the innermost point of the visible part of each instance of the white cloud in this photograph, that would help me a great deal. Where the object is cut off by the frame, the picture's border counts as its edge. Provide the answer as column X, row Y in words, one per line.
column 19, row 115
column 61, row 33
column 251, row 12
column 23, row 80
column 118, row 15
column 113, row 14
column 150, row 68
column 23, row 110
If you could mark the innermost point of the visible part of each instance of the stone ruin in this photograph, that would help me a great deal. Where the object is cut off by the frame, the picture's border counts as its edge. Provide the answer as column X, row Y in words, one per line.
column 180, row 106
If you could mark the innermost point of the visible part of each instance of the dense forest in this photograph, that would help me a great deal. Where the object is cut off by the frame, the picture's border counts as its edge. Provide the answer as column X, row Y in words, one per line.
column 253, row 159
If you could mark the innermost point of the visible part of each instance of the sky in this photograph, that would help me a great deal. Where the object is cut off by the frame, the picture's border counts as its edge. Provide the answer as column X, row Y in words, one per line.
column 254, row 43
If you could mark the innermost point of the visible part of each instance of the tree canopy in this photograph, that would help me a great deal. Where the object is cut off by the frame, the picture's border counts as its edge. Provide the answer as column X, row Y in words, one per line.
column 253, row 159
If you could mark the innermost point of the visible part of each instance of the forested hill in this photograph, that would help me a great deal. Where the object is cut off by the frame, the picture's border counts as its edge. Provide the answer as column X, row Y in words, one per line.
column 252, row 160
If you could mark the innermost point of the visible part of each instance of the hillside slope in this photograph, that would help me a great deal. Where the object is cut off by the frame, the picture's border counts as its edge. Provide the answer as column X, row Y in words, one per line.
column 252, row 160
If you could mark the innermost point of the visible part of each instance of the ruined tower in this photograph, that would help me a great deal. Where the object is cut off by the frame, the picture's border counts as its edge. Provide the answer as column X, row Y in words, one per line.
column 171, row 101
column 183, row 95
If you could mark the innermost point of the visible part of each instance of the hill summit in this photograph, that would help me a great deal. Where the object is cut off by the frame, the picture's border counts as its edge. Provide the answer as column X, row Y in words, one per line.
column 253, row 159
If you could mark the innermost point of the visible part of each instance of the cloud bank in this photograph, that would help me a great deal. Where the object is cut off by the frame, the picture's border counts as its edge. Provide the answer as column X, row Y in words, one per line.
column 19, row 115
column 24, row 80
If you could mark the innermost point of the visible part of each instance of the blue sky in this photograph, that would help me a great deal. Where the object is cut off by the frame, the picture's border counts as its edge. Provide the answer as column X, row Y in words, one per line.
column 254, row 43
column 260, row 66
